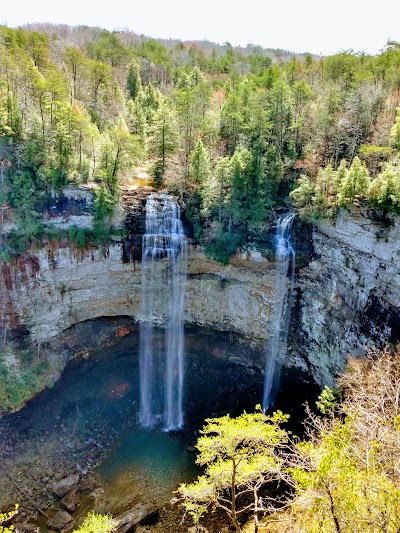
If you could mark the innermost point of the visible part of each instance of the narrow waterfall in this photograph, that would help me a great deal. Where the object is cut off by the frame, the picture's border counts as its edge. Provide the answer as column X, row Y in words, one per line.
column 163, row 283
column 277, row 344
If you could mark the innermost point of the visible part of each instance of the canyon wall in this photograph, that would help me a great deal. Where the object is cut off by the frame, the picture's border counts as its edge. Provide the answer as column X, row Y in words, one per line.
column 49, row 291
column 349, row 292
column 347, row 289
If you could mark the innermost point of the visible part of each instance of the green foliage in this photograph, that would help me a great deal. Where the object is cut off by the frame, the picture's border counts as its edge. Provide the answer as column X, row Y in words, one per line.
column 22, row 375
column 395, row 132
column 4, row 517
column 79, row 236
column 96, row 523
column 221, row 126
column 133, row 82
column 222, row 244
column 303, row 196
column 24, row 197
column 327, row 400
column 347, row 472
column 103, row 204
column 240, row 456
column 163, row 140
column 355, row 183
column 384, row 190
column 199, row 164
column 119, row 151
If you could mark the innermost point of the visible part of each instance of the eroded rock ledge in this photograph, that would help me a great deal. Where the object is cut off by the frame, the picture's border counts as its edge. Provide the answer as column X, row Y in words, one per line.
column 48, row 292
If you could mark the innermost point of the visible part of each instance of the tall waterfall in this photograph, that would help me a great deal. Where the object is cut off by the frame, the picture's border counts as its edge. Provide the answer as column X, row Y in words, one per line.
column 277, row 345
column 164, row 241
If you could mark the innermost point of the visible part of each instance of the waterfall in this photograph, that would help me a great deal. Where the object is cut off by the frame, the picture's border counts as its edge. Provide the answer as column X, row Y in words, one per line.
column 164, row 241
column 277, row 344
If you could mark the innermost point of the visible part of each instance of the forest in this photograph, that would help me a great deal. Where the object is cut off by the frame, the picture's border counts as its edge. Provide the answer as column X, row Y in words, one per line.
column 238, row 136
column 236, row 133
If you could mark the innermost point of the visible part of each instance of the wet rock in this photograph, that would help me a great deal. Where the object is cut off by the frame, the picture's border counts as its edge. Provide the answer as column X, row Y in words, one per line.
column 60, row 488
column 61, row 521
column 88, row 484
column 24, row 528
column 190, row 449
column 71, row 500
column 142, row 513
column 97, row 492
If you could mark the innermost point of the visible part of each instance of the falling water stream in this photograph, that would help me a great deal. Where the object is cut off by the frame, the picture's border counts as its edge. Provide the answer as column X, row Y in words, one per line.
column 277, row 345
column 163, row 283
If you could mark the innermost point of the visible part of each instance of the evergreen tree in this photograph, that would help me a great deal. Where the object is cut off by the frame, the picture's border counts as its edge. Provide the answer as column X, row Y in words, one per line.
column 281, row 115
column 163, row 140
column 216, row 190
column 395, row 132
column 136, row 121
column 384, row 190
column 133, row 82
column 355, row 183
column 119, row 151
column 199, row 165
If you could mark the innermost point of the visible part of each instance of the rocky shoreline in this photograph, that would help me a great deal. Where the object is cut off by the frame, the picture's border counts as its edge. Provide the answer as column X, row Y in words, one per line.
column 46, row 446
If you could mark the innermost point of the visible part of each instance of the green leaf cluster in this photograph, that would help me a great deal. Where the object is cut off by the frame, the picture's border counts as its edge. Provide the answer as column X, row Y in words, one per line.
column 240, row 456
column 96, row 523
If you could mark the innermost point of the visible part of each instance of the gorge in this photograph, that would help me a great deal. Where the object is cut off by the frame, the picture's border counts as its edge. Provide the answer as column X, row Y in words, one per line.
column 58, row 292
column 354, row 260
column 199, row 286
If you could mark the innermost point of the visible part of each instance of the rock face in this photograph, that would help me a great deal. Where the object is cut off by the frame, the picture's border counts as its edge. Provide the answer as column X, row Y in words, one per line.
column 47, row 293
column 350, row 292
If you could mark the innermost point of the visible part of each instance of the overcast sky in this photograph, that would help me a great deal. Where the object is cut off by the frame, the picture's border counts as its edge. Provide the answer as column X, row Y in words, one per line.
column 316, row 26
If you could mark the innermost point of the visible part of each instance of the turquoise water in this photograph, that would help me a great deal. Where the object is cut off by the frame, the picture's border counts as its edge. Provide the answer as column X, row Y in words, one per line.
column 151, row 455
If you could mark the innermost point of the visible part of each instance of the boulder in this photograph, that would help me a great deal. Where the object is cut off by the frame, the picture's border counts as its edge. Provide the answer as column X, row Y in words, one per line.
column 142, row 513
column 61, row 521
column 88, row 484
column 24, row 528
column 71, row 500
column 62, row 487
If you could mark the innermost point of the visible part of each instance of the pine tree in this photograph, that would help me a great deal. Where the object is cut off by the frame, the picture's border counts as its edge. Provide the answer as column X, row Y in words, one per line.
column 133, row 82
column 355, row 183
column 199, row 165
column 240, row 456
column 215, row 191
column 163, row 140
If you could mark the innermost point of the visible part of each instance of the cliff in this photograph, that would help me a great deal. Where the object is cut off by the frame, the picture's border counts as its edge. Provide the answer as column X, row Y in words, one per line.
column 49, row 291
column 350, row 291
column 347, row 287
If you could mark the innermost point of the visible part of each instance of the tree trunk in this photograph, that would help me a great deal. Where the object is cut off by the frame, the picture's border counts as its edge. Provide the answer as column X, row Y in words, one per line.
column 234, row 519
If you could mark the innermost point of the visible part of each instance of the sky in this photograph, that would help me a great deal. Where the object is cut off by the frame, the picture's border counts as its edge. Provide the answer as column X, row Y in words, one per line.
column 321, row 27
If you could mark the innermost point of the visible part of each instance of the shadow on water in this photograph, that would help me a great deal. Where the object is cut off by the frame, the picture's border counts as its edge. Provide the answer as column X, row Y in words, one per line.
column 90, row 417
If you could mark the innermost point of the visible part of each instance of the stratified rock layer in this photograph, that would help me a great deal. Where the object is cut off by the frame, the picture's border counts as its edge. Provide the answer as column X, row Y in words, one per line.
column 56, row 288
column 350, row 292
